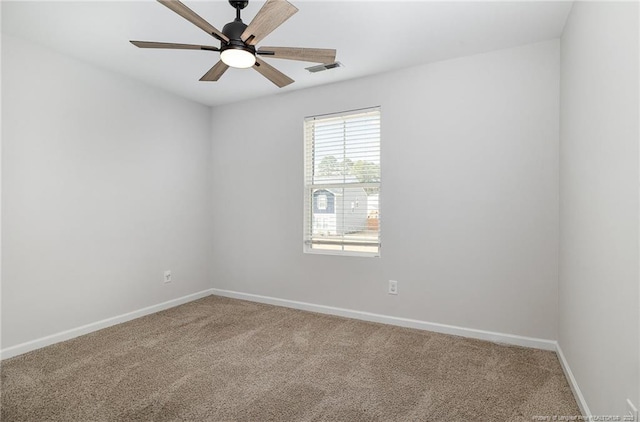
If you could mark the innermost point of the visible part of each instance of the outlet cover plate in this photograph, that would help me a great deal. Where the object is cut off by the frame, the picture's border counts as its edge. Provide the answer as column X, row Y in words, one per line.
column 393, row 287
column 167, row 276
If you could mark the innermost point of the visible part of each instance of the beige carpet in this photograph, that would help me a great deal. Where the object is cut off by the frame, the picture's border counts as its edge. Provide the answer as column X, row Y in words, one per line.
column 219, row 359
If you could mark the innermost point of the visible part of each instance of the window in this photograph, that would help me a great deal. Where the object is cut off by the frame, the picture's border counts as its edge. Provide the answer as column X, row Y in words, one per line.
column 342, row 183
column 322, row 202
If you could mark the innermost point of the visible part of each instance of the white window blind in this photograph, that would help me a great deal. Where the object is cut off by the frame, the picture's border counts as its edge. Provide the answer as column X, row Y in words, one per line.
column 342, row 183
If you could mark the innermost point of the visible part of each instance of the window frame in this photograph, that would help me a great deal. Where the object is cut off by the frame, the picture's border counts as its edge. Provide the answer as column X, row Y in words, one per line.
column 308, row 192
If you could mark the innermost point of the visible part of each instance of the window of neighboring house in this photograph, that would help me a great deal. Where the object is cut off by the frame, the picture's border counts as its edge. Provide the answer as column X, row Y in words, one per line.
column 322, row 202
column 342, row 183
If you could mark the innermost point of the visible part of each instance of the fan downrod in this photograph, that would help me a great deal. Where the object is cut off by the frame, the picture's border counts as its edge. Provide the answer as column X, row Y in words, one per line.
column 239, row 4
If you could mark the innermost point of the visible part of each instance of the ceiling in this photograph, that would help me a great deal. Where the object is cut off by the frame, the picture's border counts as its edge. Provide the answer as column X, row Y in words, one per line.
column 370, row 36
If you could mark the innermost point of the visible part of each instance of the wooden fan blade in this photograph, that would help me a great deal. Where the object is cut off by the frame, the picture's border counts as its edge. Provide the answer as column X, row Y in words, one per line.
column 194, row 18
column 173, row 46
column 316, row 55
column 273, row 74
column 215, row 72
column 271, row 15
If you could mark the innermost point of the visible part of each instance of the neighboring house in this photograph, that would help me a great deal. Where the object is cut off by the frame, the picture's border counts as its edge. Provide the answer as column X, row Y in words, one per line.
column 339, row 211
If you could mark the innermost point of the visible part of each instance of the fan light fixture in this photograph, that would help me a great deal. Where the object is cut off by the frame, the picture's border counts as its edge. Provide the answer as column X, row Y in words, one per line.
column 237, row 57
column 238, row 41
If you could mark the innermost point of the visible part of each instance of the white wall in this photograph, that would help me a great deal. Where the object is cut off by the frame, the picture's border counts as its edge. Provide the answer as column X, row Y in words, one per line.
column 469, row 194
column 599, row 203
column 105, row 184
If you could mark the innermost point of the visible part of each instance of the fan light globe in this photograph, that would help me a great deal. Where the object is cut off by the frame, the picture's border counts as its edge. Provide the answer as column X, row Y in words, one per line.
column 240, row 59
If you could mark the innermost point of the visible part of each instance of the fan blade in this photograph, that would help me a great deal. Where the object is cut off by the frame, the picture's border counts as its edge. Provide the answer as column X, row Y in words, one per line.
column 194, row 18
column 271, row 15
column 273, row 74
column 215, row 72
column 174, row 46
column 316, row 55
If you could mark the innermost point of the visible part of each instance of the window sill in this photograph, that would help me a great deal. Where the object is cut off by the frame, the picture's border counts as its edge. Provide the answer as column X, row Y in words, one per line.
column 312, row 251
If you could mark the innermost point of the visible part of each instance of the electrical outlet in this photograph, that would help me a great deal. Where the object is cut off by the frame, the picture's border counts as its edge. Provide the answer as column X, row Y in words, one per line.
column 393, row 287
column 632, row 414
column 167, row 276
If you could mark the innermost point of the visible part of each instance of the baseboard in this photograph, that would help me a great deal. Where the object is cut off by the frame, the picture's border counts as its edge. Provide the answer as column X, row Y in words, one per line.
column 577, row 394
column 95, row 326
column 510, row 339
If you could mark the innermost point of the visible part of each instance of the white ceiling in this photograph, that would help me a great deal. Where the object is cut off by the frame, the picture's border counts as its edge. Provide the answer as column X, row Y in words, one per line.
column 370, row 36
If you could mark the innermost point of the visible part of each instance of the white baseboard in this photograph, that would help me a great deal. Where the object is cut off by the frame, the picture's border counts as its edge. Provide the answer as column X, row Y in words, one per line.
column 95, row 326
column 577, row 394
column 511, row 339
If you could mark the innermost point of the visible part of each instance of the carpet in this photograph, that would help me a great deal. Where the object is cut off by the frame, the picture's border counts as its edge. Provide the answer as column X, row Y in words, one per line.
column 220, row 359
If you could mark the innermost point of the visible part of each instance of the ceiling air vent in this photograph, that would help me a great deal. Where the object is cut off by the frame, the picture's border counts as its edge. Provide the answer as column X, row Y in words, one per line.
column 323, row 67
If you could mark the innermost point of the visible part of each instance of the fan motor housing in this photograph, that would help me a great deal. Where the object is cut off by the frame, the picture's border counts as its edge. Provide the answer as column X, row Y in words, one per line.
column 233, row 31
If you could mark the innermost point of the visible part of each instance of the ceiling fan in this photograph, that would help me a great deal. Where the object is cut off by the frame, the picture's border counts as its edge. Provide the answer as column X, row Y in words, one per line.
column 238, row 41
